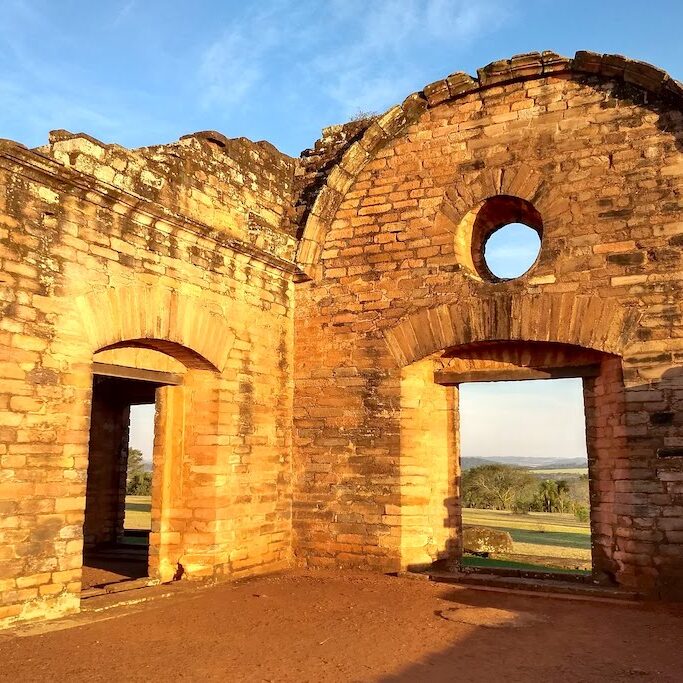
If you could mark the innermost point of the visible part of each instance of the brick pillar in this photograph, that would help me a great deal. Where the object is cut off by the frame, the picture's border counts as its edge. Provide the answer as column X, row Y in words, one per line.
column 107, row 462
column 606, row 445
column 165, row 548
column 429, row 514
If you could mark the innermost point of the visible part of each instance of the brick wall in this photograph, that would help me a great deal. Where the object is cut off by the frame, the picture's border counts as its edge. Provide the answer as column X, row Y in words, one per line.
column 320, row 432
column 595, row 148
column 86, row 265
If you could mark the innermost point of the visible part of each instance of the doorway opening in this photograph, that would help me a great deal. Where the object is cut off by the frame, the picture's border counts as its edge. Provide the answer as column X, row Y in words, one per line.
column 524, row 483
column 116, row 528
column 137, row 522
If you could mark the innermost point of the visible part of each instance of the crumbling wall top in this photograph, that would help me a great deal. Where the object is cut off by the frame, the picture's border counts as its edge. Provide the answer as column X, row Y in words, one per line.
column 324, row 195
column 234, row 186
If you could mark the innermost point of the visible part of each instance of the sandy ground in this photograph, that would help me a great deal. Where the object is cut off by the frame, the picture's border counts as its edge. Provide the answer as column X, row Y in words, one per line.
column 102, row 572
column 324, row 626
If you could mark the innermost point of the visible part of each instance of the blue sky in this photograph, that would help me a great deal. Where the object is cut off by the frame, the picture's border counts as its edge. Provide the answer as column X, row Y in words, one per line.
column 512, row 250
column 537, row 418
column 143, row 72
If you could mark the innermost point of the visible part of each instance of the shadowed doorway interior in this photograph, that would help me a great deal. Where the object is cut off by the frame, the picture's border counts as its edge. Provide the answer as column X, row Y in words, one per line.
column 118, row 493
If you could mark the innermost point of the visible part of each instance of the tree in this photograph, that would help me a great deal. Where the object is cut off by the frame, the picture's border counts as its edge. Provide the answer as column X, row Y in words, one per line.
column 136, row 464
column 140, row 484
column 579, row 491
column 138, row 480
column 496, row 486
column 553, row 496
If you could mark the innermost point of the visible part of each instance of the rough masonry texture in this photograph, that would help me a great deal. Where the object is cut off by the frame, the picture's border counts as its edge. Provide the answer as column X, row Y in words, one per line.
column 306, row 324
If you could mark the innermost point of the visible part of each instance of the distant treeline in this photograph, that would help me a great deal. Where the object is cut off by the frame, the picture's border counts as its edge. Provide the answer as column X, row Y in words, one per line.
column 506, row 487
column 468, row 462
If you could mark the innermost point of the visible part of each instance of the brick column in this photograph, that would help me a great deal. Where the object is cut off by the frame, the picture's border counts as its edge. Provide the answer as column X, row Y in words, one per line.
column 606, row 445
column 429, row 515
column 167, row 488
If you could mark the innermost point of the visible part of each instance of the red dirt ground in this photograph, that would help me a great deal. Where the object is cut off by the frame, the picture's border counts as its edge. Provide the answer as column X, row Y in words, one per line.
column 112, row 571
column 326, row 626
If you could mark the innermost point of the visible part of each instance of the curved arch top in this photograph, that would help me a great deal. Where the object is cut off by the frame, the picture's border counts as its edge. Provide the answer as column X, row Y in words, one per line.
column 521, row 67
column 584, row 321
column 137, row 313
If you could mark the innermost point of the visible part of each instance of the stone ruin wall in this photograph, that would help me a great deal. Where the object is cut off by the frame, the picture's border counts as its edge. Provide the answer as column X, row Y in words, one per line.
column 600, row 159
column 181, row 243
column 315, row 433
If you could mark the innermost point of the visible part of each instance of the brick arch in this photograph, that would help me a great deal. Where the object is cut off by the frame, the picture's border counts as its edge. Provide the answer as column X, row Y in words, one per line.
column 392, row 123
column 584, row 321
column 177, row 324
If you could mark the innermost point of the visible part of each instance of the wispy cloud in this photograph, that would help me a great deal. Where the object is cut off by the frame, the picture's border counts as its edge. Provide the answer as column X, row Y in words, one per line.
column 42, row 110
column 56, row 92
column 275, row 69
column 123, row 12
column 358, row 53
column 229, row 68
column 245, row 52
column 375, row 70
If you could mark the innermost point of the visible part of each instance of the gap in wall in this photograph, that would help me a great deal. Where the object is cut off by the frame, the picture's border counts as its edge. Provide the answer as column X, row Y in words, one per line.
column 139, row 472
column 118, row 493
column 524, row 486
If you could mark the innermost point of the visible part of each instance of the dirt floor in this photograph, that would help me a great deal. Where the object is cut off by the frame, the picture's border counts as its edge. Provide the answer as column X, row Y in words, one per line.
column 324, row 626
column 98, row 572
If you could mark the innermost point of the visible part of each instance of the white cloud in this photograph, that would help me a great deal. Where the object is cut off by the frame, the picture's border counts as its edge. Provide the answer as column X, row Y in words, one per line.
column 229, row 69
column 244, row 52
column 360, row 92
column 123, row 12
column 374, row 71
column 464, row 21
column 42, row 110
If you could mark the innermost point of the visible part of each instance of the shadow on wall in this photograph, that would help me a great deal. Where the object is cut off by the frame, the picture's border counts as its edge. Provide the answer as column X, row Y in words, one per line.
column 669, row 118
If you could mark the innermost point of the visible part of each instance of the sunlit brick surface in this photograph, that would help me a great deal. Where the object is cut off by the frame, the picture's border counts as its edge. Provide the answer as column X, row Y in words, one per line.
column 306, row 305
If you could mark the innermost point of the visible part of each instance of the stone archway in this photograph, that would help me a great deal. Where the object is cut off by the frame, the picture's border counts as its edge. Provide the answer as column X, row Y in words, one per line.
column 430, row 514
column 137, row 330
column 177, row 324
column 135, row 379
column 505, row 336
column 585, row 321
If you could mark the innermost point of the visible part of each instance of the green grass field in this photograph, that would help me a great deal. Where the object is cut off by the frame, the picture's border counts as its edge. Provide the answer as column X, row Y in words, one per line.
column 544, row 539
column 138, row 512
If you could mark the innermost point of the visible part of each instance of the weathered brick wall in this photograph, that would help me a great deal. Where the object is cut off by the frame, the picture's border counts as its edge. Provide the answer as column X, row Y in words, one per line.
column 594, row 145
column 85, row 265
column 235, row 186
column 609, row 463
column 190, row 247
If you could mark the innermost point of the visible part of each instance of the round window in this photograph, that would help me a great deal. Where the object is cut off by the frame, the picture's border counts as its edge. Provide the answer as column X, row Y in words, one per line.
column 511, row 250
column 500, row 239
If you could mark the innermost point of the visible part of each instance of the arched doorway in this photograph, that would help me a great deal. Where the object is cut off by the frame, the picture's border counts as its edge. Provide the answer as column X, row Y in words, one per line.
column 129, row 374
column 430, row 427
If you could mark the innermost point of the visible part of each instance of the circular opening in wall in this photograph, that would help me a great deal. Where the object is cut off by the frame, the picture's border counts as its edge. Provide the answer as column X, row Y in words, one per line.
column 500, row 239
column 511, row 250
